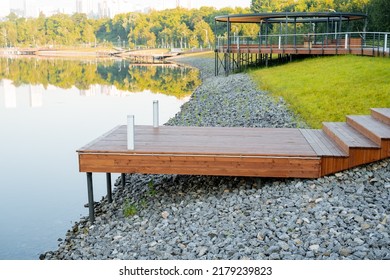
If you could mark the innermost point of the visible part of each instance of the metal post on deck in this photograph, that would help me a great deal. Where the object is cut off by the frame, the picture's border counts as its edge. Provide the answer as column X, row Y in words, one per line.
column 109, row 189
column 385, row 45
column 155, row 114
column 90, row 197
column 346, row 41
column 130, row 132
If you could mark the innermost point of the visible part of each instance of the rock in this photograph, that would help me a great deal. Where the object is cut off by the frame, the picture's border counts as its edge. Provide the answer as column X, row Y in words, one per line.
column 260, row 236
column 164, row 214
column 345, row 252
column 359, row 219
column 314, row 247
column 358, row 241
column 273, row 249
column 284, row 245
column 365, row 226
column 202, row 251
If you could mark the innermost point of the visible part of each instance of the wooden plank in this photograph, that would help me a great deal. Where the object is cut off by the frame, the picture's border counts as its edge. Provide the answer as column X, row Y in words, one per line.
column 347, row 137
column 103, row 136
column 381, row 114
column 359, row 156
column 206, row 140
column 321, row 143
column 370, row 127
column 330, row 165
column 263, row 167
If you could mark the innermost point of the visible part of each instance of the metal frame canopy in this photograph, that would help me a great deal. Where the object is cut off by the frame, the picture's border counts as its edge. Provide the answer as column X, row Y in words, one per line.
column 293, row 17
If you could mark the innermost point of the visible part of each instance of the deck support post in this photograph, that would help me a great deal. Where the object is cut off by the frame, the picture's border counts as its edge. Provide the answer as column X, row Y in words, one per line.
column 90, row 197
column 109, row 189
column 123, row 179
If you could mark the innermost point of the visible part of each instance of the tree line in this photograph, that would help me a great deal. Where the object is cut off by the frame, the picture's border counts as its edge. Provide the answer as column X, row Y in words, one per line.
column 173, row 28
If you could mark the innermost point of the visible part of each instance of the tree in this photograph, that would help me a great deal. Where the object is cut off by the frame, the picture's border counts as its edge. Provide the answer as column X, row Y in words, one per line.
column 204, row 33
column 379, row 15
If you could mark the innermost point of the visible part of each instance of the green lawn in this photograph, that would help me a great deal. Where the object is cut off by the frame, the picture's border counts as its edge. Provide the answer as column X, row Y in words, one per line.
column 329, row 88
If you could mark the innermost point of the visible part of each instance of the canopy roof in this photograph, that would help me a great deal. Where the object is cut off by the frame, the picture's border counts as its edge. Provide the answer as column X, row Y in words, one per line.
column 299, row 17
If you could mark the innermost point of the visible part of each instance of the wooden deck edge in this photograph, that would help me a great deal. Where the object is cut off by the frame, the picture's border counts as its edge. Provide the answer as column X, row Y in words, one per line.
column 331, row 165
column 85, row 147
column 282, row 167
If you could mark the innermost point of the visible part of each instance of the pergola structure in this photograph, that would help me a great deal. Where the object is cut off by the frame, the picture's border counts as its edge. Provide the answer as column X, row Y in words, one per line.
column 294, row 33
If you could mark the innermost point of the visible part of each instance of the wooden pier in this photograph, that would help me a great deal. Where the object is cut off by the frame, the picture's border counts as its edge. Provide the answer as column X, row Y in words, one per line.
column 298, row 34
column 227, row 151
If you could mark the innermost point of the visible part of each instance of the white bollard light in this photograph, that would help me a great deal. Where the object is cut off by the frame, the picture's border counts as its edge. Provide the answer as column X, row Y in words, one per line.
column 155, row 114
column 130, row 132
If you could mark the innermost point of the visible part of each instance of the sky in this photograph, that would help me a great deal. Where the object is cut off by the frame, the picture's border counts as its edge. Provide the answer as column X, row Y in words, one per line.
column 69, row 6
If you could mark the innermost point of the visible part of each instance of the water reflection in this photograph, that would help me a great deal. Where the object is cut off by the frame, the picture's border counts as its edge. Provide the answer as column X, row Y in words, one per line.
column 167, row 79
column 46, row 114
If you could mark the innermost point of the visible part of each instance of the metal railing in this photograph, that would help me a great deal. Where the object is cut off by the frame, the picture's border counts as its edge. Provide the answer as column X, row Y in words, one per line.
column 378, row 42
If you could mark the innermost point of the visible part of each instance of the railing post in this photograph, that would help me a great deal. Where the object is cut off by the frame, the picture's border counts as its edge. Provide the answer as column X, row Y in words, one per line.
column 346, row 41
column 280, row 42
column 385, row 45
column 259, row 41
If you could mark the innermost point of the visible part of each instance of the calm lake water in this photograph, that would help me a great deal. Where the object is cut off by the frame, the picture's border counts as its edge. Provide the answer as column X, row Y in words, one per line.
column 48, row 109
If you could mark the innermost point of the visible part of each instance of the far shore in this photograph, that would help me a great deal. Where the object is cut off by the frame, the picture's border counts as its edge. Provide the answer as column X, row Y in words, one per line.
column 86, row 52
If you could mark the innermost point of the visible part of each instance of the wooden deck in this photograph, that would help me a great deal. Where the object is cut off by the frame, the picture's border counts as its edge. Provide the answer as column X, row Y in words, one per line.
column 203, row 151
column 304, row 50
column 227, row 151
column 233, row 57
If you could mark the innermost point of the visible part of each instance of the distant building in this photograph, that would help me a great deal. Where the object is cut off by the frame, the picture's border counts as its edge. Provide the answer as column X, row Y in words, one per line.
column 103, row 10
column 79, row 6
column 5, row 9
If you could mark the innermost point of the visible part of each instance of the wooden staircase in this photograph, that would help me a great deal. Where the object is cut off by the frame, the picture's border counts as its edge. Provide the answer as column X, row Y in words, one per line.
column 359, row 140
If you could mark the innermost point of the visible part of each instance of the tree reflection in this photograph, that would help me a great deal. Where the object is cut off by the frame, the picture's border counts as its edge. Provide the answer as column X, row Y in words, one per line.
column 166, row 79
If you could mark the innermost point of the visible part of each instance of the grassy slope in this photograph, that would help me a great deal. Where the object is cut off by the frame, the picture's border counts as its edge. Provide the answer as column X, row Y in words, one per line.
column 329, row 88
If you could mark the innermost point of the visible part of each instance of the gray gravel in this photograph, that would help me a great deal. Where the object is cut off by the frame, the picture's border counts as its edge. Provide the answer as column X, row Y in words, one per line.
column 343, row 216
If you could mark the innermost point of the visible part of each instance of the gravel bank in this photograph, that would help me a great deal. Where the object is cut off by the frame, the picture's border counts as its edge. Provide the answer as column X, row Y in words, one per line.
column 343, row 216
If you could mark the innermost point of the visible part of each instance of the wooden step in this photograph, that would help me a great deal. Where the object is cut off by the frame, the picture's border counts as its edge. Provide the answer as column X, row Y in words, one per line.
column 347, row 137
column 381, row 114
column 370, row 127
column 333, row 158
column 377, row 131
column 322, row 144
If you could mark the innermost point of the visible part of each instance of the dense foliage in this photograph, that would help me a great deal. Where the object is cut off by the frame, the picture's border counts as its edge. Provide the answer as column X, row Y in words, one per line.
column 168, row 28
column 378, row 10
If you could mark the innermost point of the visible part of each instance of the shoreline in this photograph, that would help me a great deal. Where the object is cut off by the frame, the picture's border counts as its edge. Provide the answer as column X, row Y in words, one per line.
column 343, row 216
